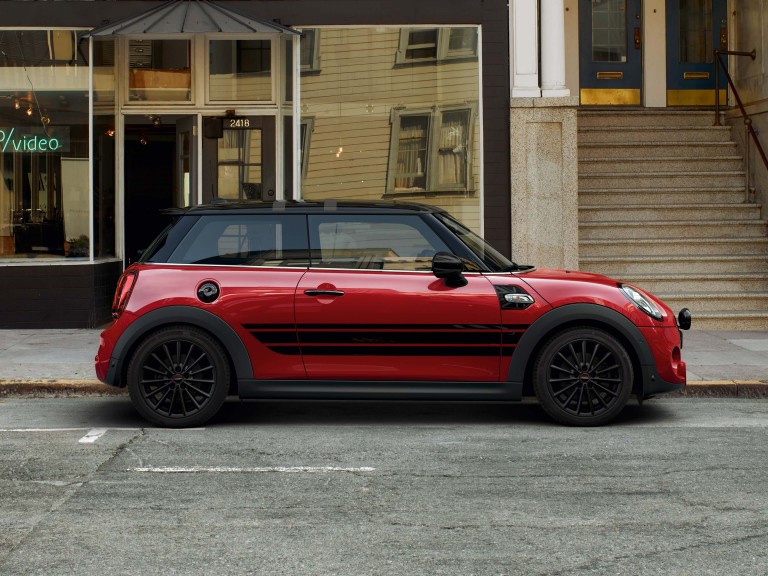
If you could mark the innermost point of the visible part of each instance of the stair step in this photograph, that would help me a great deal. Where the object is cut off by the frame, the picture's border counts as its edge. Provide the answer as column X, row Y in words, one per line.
column 745, row 320
column 679, row 283
column 675, row 179
column 716, row 302
column 655, row 134
column 643, row 150
column 656, row 196
column 683, row 212
column 691, row 247
column 619, row 266
column 637, row 166
column 626, row 118
column 623, row 230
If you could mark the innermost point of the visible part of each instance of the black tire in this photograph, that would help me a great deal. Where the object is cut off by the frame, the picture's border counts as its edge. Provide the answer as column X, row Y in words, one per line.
column 178, row 376
column 583, row 377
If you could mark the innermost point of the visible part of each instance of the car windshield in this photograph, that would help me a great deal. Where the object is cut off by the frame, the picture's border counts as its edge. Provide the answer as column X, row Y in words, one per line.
column 491, row 257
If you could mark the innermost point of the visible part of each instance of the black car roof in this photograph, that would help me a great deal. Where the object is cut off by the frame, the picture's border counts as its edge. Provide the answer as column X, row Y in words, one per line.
column 222, row 206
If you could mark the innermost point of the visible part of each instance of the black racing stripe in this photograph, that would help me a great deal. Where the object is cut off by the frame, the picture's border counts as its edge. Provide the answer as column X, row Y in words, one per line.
column 428, row 338
column 430, row 327
column 276, row 337
column 397, row 350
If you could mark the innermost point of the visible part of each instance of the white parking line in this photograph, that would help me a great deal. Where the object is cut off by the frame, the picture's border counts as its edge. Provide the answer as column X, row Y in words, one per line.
column 93, row 435
column 231, row 470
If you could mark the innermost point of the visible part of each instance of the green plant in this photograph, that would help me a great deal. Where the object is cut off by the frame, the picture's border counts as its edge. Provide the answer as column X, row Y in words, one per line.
column 78, row 246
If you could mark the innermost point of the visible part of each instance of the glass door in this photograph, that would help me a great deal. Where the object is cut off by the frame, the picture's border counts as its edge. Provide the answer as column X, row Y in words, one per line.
column 239, row 158
column 695, row 28
column 610, row 51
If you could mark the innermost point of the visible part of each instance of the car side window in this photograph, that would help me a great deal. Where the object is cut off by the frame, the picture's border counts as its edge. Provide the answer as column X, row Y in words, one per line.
column 245, row 240
column 373, row 242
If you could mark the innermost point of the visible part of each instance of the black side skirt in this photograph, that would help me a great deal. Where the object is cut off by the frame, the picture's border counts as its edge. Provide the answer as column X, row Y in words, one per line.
column 364, row 390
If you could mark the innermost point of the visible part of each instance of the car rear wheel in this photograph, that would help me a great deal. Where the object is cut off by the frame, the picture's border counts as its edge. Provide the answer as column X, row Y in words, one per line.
column 583, row 377
column 178, row 376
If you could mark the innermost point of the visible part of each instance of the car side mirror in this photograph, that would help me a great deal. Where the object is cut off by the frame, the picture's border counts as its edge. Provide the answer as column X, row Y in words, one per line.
column 449, row 267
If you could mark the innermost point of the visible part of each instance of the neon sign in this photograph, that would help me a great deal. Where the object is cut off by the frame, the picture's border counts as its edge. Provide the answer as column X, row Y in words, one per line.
column 34, row 140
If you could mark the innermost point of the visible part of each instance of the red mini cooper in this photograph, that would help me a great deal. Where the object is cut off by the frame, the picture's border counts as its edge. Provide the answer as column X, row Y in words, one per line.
column 372, row 301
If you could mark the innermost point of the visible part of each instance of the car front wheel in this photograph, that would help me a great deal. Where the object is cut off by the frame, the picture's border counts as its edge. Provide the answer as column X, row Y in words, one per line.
column 178, row 376
column 583, row 377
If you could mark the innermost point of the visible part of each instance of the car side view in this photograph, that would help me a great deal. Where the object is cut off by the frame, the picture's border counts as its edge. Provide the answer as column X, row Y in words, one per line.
column 338, row 300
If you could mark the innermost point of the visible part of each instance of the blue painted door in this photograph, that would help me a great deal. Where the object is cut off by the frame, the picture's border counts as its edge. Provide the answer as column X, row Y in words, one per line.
column 695, row 28
column 610, row 51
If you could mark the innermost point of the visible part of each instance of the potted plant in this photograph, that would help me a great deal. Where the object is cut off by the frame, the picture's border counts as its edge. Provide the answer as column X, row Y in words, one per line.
column 77, row 247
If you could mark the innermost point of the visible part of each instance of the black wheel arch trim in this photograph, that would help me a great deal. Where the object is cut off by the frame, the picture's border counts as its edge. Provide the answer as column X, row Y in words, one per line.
column 189, row 315
column 572, row 314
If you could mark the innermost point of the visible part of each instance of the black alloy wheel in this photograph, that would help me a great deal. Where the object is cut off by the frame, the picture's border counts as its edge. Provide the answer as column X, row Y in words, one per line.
column 583, row 377
column 178, row 376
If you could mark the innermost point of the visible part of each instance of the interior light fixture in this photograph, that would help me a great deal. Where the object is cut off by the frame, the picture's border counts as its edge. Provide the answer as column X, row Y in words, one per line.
column 17, row 104
column 29, row 111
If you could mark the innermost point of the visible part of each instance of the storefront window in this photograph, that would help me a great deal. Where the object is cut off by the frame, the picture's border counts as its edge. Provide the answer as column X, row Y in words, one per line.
column 159, row 71
column 400, row 126
column 240, row 70
column 44, row 188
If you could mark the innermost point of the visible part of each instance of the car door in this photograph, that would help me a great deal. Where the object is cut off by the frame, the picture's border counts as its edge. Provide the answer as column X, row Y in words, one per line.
column 369, row 308
column 250, row 265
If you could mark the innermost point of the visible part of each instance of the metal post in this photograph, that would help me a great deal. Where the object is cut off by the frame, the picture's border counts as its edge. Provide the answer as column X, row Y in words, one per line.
column 717, row 87
column 747, row 124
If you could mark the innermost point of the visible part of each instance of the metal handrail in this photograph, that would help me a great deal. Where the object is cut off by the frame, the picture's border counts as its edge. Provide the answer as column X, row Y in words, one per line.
column 750, row 129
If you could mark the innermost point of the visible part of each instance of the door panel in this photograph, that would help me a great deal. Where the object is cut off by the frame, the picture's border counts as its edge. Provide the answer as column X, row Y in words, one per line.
column 396, row 326
column 695, row 28
column 610, row 51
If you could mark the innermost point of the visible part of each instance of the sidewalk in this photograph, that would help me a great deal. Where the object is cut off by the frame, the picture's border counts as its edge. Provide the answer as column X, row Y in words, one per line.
column 719, row 363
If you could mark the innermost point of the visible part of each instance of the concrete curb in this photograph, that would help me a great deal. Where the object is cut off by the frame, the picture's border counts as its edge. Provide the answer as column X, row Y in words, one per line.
column 73, row 387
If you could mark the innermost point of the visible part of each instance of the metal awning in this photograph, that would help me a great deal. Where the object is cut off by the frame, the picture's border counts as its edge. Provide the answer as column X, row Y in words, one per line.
column 187, row 17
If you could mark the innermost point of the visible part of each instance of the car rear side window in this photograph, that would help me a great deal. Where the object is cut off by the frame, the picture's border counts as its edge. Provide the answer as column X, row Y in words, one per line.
column 245, row 240
column 398, row 242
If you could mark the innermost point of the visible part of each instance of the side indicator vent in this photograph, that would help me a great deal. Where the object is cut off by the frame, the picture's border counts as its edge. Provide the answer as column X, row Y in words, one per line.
column 513, row 298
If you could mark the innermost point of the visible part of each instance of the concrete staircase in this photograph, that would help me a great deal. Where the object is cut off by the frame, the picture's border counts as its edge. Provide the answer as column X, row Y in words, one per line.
column 662, row 205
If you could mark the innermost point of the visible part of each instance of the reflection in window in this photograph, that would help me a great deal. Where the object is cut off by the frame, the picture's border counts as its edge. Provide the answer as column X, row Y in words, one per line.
column 310, row 50
column 159, row 71
column 609, row 30
column 432, row 44
column 373, row 242
column 240, row 70
column 696, row 31
column 430, row 151
column 240, row 164
column 377, row 121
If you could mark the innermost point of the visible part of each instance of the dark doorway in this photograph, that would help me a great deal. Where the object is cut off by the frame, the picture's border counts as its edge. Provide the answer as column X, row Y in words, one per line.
column 149, row 184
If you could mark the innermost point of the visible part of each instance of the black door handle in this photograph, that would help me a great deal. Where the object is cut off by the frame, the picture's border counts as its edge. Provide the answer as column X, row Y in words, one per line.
column 324, row 292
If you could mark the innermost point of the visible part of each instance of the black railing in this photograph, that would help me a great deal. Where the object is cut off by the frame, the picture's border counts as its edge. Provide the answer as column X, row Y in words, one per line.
column 749, row 128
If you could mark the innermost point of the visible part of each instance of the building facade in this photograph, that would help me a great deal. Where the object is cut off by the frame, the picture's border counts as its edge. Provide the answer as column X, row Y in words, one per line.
column 111, row 111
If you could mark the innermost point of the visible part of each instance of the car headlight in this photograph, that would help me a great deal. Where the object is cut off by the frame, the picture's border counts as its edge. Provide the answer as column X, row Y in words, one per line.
column 641, row 301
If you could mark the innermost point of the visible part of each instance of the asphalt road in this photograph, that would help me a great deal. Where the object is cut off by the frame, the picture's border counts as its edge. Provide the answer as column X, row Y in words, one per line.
column 677, row 486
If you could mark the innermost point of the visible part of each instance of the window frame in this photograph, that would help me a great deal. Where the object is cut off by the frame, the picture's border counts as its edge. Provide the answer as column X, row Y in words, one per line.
column 274, row 72
column 314, row 61
column 443, row 53
column 125, row 47
column 435, row 116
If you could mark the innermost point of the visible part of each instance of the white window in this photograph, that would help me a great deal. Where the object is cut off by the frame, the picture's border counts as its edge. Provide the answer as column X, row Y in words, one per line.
column 430, row 151
column 435, row 44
